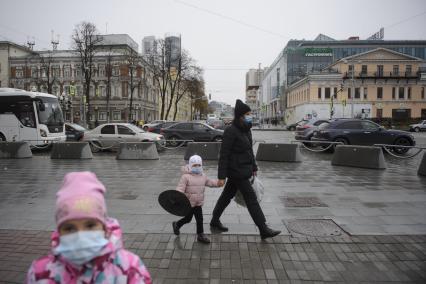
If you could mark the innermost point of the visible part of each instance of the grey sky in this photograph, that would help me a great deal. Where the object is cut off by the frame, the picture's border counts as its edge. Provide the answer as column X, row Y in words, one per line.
column 226, row 37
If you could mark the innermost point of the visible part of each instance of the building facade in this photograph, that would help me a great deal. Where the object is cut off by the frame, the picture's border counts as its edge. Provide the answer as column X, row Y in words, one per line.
column 113, row 81
column 378, row 84
column 301, row 58
column 253, row 79
column 9, row 49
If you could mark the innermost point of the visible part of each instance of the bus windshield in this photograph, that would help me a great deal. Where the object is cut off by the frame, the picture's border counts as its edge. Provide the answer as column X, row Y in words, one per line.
column 52, row 113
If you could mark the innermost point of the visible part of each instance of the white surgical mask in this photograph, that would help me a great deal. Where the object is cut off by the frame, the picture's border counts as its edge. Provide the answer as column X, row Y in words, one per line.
column 248, row 118
column 197, row 170
column 81, row 247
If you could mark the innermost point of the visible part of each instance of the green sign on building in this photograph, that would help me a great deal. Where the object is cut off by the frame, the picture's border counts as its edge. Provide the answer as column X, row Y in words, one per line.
column 326, row 51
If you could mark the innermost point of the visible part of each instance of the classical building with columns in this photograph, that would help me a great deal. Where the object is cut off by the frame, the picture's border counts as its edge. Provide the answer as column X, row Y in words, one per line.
column 379, row 83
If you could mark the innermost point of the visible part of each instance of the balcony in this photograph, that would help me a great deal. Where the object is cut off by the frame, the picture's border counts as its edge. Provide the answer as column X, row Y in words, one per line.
column 381, row 75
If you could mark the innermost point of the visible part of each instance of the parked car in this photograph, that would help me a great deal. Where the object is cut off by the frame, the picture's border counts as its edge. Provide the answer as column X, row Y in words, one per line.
column 362, row 132
column 216, row 123
column 152, row 123
column 74, row 131
column 109, row 136
column 157, row 127
column 191, row 131
column 292, row 127
column 305, row 131
column 421, row 126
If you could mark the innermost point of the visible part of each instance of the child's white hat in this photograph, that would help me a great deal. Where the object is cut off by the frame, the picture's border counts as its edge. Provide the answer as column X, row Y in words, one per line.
column 195, row 159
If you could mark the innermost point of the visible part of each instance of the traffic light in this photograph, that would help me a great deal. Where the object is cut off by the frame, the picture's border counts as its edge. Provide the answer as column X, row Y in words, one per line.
column 69, row 104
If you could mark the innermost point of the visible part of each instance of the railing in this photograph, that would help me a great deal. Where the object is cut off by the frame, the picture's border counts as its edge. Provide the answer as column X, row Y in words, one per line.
column 305, row 144
column 374, row 75
column 389, row 147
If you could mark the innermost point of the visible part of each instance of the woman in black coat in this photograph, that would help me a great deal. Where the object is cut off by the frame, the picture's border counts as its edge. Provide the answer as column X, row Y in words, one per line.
column 237, row 163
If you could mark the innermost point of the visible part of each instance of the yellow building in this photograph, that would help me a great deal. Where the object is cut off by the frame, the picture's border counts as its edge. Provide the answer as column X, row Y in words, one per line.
column 380, row 83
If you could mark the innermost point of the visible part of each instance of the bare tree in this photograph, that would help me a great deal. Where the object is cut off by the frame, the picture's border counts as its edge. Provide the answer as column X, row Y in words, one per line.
column 47, row 77
column 85, row 38
column 133, row 63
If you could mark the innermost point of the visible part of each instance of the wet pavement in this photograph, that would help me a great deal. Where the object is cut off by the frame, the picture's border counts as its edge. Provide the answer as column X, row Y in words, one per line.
column 310, row 202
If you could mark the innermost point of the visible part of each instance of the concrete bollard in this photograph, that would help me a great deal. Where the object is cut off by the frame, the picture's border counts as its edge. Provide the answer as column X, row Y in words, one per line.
column 15, row 150
column 71, row 150
column 422, row 166
column 137, row 151
column 359, row 157
column 278, row 152
column 206, row 150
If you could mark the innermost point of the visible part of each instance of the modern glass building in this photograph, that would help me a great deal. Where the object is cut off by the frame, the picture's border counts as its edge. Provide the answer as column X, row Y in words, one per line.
column 303, row 57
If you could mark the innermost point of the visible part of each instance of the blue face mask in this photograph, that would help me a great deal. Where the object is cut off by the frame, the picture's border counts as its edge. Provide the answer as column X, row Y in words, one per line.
column 197, row 170
column 81, row 247
column 248, row 118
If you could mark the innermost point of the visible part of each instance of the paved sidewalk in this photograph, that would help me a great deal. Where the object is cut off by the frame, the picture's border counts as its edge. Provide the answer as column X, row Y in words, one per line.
column 247, row 259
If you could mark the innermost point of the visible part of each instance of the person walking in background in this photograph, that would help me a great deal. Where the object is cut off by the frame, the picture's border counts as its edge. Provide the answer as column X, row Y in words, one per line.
column 193, row 183
column 87, row 245
column 237, row 163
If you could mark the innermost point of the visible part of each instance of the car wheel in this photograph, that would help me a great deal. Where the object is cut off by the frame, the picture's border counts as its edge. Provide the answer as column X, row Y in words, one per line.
column 417, row 129
column 95, row 146
column 217, row 139
column 2, row 137
column 342, row 140
column 173, row 141
column 403, row 142
column 145, row 128
column 292, row 128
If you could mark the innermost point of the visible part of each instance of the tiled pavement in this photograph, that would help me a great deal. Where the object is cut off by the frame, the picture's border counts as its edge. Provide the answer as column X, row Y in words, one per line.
column 247, row 259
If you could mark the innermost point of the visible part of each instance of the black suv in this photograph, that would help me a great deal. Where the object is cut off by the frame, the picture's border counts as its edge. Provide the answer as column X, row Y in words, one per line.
column 362, row 132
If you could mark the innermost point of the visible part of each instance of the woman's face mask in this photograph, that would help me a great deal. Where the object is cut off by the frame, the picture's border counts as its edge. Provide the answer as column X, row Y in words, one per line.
column 248, row 119
column 82, row 246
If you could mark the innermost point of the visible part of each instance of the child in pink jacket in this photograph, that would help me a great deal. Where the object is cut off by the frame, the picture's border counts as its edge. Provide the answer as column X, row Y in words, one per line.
column 87, row 246
column 193, row 183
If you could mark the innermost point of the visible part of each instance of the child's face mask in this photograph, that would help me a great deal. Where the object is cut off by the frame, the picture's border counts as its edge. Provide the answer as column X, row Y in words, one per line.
column 82, row 246
column 196, row 169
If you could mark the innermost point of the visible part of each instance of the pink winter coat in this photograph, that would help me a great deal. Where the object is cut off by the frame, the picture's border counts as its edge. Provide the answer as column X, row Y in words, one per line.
column 193, row 186
column 115, row 265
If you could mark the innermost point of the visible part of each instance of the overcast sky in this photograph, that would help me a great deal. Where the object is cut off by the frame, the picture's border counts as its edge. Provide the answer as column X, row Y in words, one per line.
column 226, row 37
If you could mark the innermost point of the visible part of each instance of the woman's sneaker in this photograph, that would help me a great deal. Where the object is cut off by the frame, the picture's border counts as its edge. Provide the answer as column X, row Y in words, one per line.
column 203, row 239
column 175, row 228
column 217, row 225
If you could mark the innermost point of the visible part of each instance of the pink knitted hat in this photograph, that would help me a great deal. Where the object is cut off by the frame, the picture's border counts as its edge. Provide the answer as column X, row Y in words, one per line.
column 81, row 196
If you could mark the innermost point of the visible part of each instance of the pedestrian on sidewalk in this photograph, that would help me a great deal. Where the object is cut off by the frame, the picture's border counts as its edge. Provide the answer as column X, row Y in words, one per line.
column 193, row 183
column 237, row 163
column 87, row 245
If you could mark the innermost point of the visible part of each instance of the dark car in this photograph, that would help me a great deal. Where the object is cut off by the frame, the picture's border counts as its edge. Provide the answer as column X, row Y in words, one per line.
column 191, row 131
column 305, row 131
column 74, row 132
column 292, row 127
column 156, row 128
column 216, row 123
column 362, row 132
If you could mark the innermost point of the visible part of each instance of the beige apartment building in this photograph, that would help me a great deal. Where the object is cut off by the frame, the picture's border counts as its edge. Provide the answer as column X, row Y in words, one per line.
column 380, row 83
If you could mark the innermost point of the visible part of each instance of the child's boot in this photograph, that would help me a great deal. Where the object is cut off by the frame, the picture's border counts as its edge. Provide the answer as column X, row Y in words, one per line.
column 203, row 239
column 175, row 228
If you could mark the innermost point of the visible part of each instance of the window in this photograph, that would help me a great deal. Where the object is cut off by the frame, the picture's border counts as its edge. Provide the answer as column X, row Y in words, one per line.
column 108, row 129
column 365, row 93
column 319, row 93
column 116, row 115
column 124, row 89
column 102, row 115
column 401, row 93
column 349, row 93
column 19, row 72
column 393, row 93
column 350, row 69
column 184, row 126
column 367, row 125
column 379, row 93
column 34, row 72
column 379, row 113
column 198, row 126
column 67, row 71
column 77, row 71
column 364, row 69
column 101, row 70
column 327, row 93
column 395, row 70
column 335, row 93
column 357, row 93
column 115, row 70
column 423, row 93
column 408, row 70
column 409, row 93
column 349, row 125
column 124, row 130
column 43, row 72
column 379, row 70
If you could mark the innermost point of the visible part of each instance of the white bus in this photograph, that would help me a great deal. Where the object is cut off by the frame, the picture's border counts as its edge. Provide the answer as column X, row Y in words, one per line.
column 30, row 116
